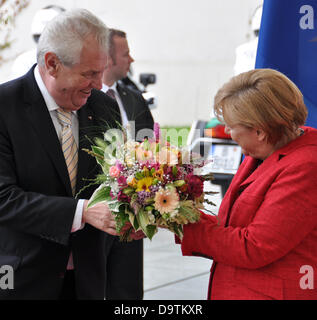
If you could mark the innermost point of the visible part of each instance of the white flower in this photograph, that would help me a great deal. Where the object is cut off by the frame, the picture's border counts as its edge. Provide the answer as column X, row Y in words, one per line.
column 114, row 187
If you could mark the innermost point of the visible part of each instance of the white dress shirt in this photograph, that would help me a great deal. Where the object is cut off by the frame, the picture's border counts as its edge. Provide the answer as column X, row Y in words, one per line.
column 52, row 107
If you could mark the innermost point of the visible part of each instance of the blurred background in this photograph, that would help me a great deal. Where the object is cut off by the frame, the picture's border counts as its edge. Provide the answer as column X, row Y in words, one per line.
column 189, row 45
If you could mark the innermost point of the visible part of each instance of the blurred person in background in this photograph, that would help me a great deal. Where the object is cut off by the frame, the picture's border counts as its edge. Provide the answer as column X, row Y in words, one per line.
column 124, row 260
column 246, row 52
column 26, row 60
column 266, row 229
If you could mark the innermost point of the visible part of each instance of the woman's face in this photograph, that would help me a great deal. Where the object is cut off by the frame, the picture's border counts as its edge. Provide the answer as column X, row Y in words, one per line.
column 252, row 141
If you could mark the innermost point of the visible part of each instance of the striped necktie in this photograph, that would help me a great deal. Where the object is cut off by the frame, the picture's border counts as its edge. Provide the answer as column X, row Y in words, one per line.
column 69, row 146
column 111, row 94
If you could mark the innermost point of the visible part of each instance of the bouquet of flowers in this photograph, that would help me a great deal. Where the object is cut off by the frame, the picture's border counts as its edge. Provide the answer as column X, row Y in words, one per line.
column 148, row 184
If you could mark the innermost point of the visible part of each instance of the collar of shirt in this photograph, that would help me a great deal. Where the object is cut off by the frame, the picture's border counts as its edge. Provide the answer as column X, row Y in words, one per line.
column 105, row 88
column 123, row 113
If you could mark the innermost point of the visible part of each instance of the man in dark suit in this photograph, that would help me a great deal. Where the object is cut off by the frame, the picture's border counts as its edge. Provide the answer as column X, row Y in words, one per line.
column 52, row 241
column 124, row 279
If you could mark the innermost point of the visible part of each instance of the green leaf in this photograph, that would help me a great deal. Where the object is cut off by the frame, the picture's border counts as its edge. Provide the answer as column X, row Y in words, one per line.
column 143, row 218
column 128, row 190
column 101, row 194
column 134, row 221
column 188, row 210
column 177, row 229
column 97, row 150
column 101, row 143
column 116, row 206
column 150, row 231
column 121, row 219
column 179, row 183
column 139, row 175
column 144, row 221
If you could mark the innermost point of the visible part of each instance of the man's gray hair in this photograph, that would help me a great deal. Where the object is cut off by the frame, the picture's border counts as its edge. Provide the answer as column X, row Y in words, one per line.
column 65, row 36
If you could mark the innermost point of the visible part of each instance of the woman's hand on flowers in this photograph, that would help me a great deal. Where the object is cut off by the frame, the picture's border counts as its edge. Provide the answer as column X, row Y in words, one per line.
column 100, row 217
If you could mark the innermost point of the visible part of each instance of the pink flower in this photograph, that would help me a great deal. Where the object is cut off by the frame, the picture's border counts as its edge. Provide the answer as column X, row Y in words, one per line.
column 119, row 165
column 157, row 131
column 123, row 197
column 114, row 172
column 122, row 181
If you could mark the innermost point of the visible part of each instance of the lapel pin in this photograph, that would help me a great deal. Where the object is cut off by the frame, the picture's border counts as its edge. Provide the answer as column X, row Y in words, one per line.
column 89, row 117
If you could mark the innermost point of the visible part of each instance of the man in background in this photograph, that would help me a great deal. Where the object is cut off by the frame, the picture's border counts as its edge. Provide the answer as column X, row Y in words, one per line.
column 124, row 278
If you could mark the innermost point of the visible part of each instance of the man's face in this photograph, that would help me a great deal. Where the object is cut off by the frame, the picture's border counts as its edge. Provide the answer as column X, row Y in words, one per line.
column 71, row 86
column 120, row 63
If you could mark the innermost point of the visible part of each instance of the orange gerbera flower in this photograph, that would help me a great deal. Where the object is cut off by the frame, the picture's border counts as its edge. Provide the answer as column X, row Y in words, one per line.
column 166, row 200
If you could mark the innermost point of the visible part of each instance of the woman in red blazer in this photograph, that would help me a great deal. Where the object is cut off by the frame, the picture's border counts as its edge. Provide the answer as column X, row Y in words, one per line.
column 264, row 240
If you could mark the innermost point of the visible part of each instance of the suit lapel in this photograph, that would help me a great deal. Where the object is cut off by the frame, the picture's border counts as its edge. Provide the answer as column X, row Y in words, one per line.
column 42, row 123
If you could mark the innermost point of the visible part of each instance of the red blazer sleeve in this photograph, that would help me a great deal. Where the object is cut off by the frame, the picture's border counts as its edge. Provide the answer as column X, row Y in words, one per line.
column 286, row 215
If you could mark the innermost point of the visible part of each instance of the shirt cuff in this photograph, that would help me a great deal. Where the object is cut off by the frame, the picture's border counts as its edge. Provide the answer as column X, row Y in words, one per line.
column 77, row 223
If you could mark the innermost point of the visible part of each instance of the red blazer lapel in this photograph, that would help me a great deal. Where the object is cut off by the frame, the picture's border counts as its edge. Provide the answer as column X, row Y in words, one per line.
column 240, row 179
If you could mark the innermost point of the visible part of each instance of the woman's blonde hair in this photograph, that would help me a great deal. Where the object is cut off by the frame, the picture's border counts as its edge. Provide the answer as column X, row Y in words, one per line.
column 264, row 99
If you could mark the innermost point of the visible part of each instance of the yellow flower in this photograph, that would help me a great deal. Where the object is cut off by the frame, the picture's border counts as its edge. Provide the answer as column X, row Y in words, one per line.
column 144, row 184
column 166, row 200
